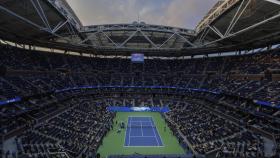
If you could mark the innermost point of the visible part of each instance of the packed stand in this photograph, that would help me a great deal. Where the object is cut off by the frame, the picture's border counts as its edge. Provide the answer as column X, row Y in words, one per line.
column 75, row 132
column 208, row 132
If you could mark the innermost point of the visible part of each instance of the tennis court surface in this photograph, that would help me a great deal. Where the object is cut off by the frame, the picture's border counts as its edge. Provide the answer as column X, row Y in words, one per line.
column 141, row 131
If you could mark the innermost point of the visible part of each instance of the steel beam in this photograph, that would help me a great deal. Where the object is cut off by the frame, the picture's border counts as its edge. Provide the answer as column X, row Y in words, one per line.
column 36, row 4
column 167, row 40
column 143, row 27
column 109, row 38
column 22, row 18
column 59, row 25
column 274, row 1
column 186, row 40
column 245, row 29
column 215, row 30
column 148, row 39
column 131, row 36
column 237, row 16
column 215, row 13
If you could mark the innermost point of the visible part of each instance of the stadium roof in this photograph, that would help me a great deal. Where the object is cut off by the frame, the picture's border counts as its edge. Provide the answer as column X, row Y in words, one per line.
column 229, row 25
column 241, row 21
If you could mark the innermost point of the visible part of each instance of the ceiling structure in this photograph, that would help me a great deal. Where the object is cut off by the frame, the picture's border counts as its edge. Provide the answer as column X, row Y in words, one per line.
column 234, row 22
column 138, row 35
column 230, row 25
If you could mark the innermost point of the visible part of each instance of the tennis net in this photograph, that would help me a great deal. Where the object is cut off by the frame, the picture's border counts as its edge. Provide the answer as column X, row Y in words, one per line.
column 141, row 126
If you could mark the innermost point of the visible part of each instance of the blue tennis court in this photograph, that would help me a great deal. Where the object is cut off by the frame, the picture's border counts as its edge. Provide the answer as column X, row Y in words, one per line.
column 142, row 132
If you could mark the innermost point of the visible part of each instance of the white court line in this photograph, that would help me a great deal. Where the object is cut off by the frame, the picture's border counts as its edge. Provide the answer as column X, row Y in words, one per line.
column 140, row 121
column 144, row 146
column 134, row 117
column 129, row 131
column 142, row 136
column 130, row 120
column 155, row 134
column 142, row 129
column 140, row 116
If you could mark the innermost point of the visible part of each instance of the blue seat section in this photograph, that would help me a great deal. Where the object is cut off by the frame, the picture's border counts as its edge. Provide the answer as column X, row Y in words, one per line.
column 137, row 109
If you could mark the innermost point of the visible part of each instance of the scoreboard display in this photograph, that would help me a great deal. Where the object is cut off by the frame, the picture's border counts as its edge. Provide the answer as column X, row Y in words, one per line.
column 137, row 58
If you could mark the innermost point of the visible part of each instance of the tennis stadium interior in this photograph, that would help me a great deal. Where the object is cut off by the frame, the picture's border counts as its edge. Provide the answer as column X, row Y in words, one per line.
column 139, row 90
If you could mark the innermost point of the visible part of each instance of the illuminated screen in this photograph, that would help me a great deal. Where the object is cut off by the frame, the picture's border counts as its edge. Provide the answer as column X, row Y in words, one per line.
column 137, row 58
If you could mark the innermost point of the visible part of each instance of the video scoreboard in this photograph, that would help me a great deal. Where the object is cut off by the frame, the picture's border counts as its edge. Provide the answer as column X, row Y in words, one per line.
column 137, row 58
